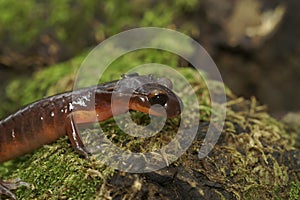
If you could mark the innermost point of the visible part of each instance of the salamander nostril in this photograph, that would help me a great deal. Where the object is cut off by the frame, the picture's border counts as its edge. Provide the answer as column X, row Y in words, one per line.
column 160, row 99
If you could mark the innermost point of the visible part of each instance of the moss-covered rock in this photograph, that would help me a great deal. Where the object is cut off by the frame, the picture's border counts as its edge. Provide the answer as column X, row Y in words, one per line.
column 254, row 157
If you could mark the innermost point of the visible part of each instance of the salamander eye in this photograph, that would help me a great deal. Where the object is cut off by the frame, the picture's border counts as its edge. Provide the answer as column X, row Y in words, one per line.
column 158, row 97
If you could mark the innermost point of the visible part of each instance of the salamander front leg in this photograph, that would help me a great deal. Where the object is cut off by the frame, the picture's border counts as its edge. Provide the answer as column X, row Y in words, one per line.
column 6, row 186
column 74, row 137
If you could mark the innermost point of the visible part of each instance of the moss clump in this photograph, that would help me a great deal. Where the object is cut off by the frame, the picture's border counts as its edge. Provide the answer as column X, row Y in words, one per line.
column 56, row 171
column 248, row 158
column 294, row 190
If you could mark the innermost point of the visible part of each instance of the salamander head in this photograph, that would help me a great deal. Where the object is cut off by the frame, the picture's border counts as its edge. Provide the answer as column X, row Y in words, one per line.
column 156, row 99
column 149, row 95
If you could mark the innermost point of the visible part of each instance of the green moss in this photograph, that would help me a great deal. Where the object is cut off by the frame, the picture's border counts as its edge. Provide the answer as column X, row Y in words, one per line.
column 247, row 159
column 56, row 171
column 25, row 24
column 294, row 190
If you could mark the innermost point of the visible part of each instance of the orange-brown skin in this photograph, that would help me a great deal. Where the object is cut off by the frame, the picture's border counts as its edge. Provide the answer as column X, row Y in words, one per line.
column 47, row 120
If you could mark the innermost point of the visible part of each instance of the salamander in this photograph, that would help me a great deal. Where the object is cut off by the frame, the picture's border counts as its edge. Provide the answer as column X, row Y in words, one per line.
column 46, row 120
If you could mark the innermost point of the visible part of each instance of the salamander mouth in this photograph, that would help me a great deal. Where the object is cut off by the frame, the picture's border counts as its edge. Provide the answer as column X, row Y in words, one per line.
column 158, row 110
